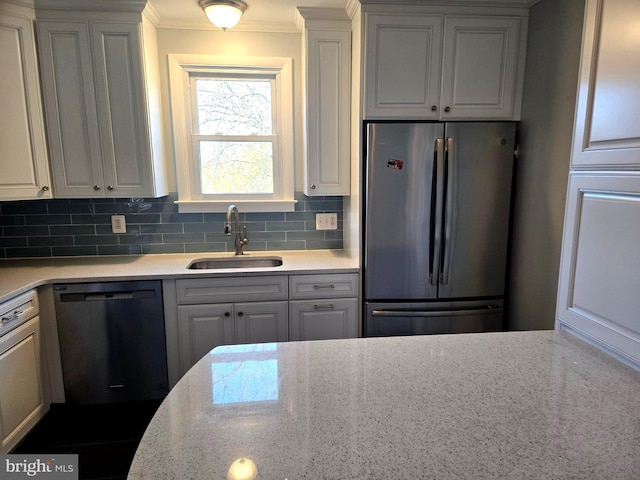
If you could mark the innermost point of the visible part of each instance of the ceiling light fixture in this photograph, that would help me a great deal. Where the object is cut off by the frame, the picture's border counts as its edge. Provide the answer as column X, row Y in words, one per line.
column 223, row 13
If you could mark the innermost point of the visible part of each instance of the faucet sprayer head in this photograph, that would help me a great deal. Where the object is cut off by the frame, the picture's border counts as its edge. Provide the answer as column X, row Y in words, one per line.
column 231, row 210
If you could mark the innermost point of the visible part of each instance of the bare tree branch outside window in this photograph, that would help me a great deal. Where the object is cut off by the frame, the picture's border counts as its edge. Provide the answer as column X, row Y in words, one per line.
column 233, row 114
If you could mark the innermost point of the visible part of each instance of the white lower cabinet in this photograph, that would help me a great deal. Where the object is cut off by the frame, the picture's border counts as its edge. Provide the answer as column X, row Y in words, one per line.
column 260, row 309
column 323, row 319
column 599, row 274
column 261, row 322
column 226, row 311
column 22, row 398
column 323, row 306
column 204, row 327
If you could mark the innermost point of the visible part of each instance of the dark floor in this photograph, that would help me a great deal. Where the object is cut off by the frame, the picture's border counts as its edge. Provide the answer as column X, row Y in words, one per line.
column 105, row 437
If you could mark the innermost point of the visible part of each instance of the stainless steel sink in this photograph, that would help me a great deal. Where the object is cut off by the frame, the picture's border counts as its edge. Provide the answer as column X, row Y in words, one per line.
column 240, row 261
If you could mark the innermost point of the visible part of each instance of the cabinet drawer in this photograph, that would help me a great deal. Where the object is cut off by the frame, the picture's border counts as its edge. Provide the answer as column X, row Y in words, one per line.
column 16, row 311
column 323, row 286
column 323, row 319
column 233, row 289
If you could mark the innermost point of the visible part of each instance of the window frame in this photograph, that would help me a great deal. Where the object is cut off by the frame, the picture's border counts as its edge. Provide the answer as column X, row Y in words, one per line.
column 182, row 68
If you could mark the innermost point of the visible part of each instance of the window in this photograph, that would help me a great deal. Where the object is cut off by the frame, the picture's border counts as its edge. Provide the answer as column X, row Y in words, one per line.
column 233, row 122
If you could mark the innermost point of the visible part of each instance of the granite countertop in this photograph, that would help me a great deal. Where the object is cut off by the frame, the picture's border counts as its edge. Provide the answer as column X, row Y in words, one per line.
column 17, row 276
column 512, row 405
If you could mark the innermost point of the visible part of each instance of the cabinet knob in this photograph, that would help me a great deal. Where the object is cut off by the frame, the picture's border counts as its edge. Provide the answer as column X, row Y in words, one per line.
column 110, row 187
column 313, row 187
column 447, row 109
column 240, row 314
column 227, row 314
column 96, row 187
column 434, row 108
column 45, row 189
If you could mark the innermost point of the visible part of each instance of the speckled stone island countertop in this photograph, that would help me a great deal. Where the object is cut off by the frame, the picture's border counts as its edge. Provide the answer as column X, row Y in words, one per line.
column 17, row 276
column 515, row 405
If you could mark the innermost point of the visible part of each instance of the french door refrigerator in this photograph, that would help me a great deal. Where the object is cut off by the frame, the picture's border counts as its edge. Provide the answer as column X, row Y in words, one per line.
column 437, row 210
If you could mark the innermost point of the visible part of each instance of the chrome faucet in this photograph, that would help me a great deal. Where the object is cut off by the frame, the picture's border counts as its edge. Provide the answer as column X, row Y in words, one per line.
column 241, row 241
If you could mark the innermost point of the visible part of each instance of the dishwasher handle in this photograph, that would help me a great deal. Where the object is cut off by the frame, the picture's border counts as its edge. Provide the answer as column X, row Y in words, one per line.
column 106, row 296
column 89, row 297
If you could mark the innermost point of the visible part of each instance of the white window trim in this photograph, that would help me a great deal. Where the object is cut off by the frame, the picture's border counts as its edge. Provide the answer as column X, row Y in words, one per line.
column 189, row 198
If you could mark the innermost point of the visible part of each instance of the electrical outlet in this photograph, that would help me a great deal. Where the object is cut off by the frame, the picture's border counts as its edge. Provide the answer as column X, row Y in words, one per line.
column 118, row 224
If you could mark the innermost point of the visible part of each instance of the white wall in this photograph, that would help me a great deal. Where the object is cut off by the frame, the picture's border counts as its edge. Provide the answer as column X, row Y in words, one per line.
column 237, row 43
column 551, row 80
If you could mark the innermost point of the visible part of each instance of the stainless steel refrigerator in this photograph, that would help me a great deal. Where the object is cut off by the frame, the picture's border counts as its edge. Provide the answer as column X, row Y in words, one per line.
column 437, row 211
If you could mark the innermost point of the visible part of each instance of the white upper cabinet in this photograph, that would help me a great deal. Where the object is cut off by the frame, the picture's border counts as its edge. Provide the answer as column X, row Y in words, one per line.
column 443, row 67
column 480, row 68
column 101, row 94
column 403, row 58
column 607, row 130
column 327, row 93
column 24, row 168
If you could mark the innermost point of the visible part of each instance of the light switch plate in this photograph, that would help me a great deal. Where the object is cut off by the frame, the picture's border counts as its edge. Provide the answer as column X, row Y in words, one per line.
column 326, row 221
column 332, row 221
column 118, row 224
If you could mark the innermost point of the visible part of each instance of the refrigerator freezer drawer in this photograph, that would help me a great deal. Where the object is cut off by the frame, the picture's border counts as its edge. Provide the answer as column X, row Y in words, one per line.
column 388, row 319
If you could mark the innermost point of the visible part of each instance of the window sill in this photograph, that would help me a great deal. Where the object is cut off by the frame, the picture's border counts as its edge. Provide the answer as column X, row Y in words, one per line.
column 198, row 206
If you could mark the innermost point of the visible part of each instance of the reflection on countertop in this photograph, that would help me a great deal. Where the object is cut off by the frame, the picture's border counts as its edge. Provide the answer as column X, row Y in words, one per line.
column 496, row 405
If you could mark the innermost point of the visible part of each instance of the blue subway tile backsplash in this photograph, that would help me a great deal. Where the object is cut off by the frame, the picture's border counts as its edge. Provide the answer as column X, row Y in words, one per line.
column 82, row 227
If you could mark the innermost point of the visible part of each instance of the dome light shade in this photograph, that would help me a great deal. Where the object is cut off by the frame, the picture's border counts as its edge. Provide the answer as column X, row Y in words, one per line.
column 223, row 13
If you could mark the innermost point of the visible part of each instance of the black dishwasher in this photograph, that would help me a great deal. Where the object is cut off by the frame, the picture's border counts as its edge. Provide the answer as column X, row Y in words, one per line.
column 112, row 341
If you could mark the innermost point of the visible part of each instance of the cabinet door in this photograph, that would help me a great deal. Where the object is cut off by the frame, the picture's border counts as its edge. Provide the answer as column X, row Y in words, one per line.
column 21, row 399
column 202, row 328
column 327, row 83
column 260, row 322
column 599, row 274
column 402, row 66
column 70, row 108
column 607, row 130
column 117, row 55
column 24, row 168
column 479, row 77
column 323, row 319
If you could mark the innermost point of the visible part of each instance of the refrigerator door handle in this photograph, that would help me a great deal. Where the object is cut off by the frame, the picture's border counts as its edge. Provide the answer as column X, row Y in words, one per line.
column 447, row 211
column 434, row 237
column 433, row 313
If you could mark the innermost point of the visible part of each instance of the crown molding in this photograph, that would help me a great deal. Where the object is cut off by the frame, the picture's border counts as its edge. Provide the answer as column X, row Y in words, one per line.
column 243, row 26
column 466, row 3
column 152, row 14
column 136, row 6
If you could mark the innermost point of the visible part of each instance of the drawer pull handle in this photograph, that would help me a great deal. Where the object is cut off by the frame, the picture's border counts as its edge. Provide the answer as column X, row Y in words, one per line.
column 327, row 306
column 319, row 287
column 15, row 314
